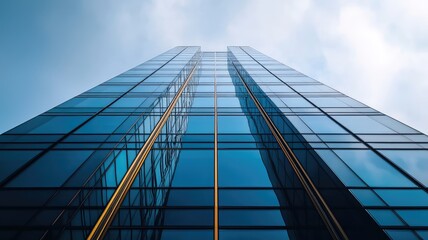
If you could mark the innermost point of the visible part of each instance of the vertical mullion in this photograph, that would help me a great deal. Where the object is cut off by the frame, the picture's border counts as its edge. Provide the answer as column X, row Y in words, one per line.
column 215, row 153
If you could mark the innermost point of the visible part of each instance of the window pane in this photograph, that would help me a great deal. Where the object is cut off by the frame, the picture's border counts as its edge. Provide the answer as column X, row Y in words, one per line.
column 233, row 124
column 414, row 217
column 60, row 124
column 322, row 124
column 362, row 124
column 200, row 124
column 248, row 198
column 193, row 197
column 240, row 168
column 373, row 169
column 340, row 168
column 415, row 162
column 186, row 234
column 61, row 165
column 195, row 168
column 367, row 197
column 102, row 124
column 404, row 197
column 251, row 218
column 188, row 217
column 386, row 218
column 252, row 234
column 12, row 160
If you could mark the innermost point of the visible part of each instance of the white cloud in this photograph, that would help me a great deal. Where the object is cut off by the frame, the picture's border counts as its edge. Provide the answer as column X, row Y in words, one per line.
column 374, row 52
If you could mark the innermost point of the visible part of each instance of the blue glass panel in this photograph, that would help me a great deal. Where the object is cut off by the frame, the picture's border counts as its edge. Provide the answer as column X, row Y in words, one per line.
column 61, row 165
column 248, row 198
column 205, row 88
column 102, row 124
column 225, row 88
column 386, row 218
column 423, row 234
column 401, row 234
column 280, row 88
column 223, row 79
column 200, row 124
column 373, row 169
column 149, row 88
column 362, row 124
column 193, row 197
column 337, row 138
column 394, row 124
column 346, row 175
column 367, row 197
column 279, row 234
column 404, row 197
column 186, row 234
column 195, row 168
column 203, row 102
column 60, row 124
column 126, row 79
column 12, row 160
column 299, row 124
column 328, row 102
column 277, row 101
column 233, row 124
column 188, row 217
column 414, row 218
column 296, row 102
column 87, row 102
column 322, row 124
column 242, row 168
column 108, row 88
column 312, row 88
column 251, row 218
column 352, row 102
column 415, row 162
column 228, row 102
column 129, row 102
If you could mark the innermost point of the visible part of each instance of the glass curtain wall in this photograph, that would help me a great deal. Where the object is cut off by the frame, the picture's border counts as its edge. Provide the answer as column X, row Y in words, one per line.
column 240, row 147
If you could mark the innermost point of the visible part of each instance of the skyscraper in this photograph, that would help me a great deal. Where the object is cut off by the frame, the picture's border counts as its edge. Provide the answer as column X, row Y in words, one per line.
column 213, row 145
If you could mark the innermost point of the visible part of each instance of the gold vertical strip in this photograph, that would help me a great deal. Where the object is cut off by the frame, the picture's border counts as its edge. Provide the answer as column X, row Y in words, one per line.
column 333, row 226
column 109, row 212
column 215, row 153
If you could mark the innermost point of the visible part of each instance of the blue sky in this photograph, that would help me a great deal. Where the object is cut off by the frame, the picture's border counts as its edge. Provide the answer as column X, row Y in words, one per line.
column 374, row 51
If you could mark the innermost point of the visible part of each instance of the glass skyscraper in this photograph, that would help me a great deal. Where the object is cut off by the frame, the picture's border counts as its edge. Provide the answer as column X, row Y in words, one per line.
column 213, row 145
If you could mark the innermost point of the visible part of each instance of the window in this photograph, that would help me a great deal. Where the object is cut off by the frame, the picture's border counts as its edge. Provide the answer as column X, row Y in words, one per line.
column 340, row 169
column 195, row 168
column 404, row 197
column 259, row 217
column 200, row 124
column 187, row 234
column 233, row 124
column 61, row 165
column 12, row 160
column 373, row 169
column 322, row 124
column 415, row 162
column 386, row 218
column 102, row 124
column 252, row 234
column 60, row 124
column 246, row 197
column 242, row 168
column 362, row 124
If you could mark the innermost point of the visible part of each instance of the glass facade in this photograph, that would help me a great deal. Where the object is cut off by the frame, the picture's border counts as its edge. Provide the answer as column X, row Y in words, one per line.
column 213, row 145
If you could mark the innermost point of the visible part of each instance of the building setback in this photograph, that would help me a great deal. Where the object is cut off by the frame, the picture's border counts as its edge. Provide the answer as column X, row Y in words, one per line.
column 213, row 145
